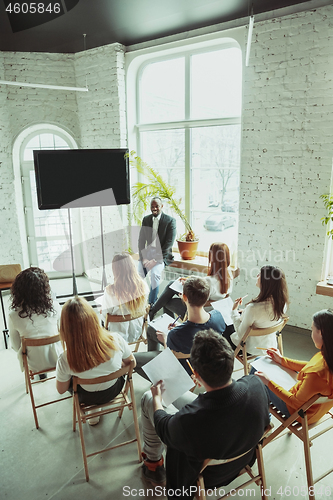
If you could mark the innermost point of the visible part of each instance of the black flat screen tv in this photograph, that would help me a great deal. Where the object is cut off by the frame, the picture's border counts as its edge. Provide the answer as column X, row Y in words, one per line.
column 81, row 178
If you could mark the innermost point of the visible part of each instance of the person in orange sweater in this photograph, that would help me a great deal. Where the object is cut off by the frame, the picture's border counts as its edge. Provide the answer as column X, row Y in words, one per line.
column 313, row 377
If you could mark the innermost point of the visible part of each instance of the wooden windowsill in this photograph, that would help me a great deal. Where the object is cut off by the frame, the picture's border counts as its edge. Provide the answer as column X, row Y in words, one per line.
column 323, row 288
column 199, row 264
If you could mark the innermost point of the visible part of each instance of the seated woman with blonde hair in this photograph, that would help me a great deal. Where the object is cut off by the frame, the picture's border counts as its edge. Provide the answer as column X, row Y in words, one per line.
column 127, row 295
column 89, row 352
column 313, row 377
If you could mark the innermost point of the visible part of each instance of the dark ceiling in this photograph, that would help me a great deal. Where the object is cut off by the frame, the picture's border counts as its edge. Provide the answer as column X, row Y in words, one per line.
column 108, row 21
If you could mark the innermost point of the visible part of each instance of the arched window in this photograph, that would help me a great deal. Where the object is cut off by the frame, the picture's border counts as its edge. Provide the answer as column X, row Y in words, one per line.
column 188, row 124
column 46, row 230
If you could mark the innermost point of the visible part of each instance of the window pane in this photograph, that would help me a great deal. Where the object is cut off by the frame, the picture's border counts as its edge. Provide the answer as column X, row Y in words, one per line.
column 46, row 141
column 215, row 184
column 60, row 142
column 28, row 154
column 162, row 95
column 47, row 222
column 49, row 251
column 34, row 143
column 165, row 152
column 216, row 84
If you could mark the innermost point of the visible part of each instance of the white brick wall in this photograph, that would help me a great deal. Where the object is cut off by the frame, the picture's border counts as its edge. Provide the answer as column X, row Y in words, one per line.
column 95, row 119
column 9, row 234
column 103, row 125
column 21, row 107
column 287, row 154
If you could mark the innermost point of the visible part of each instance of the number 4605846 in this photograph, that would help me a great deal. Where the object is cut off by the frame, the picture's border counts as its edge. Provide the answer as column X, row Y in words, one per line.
column 33, row 8
column 304, row 491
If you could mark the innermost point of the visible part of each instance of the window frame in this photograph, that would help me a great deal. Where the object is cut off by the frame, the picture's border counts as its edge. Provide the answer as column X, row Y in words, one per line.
column 137, row 62
column 25, row 167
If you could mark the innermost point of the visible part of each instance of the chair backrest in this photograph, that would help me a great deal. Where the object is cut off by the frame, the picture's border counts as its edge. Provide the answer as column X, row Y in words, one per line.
column 33, row 342
column 181, row 355
column 253, row 332
column 120, row 318
column 8, row 272
column 212, row 461
column 105, row 378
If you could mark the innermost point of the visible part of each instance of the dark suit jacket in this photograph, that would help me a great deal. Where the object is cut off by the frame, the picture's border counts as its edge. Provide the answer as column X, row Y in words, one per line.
column 166, row 234
column 219, row 424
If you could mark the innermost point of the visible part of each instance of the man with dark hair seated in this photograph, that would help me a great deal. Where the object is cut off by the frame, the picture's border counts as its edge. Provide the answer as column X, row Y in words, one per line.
column 180, row 338
column 226, row 421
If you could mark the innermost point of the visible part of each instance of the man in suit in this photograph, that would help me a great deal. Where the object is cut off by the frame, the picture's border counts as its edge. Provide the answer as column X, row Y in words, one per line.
column 157, row 235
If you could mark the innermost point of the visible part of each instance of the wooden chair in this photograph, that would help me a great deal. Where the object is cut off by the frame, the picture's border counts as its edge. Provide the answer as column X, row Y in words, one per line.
column 181, row 355
column 29, row 374
column 8, row 274
column 297, row 424
column 244, row 357
column 83, row 412
column 118, row 318
column 259, row 479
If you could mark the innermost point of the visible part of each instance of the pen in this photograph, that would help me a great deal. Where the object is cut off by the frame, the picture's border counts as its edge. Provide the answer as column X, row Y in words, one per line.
column 189, row 364
column 262, row 348
column 173, row 324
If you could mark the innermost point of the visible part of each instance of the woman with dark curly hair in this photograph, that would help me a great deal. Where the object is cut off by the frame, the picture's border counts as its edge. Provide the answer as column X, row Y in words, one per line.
column 34, row 314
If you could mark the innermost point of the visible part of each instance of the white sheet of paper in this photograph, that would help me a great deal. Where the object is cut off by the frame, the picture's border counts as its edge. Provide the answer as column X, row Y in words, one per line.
column 166, row 367
column 225, row 307
column 177, row 286
column 162, row 322
column 283, row 376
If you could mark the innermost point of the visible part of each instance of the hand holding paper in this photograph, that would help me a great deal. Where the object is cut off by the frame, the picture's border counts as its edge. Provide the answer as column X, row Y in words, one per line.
column 161, row 323
column 285, row 377
column 263, row 377
column 176, row 380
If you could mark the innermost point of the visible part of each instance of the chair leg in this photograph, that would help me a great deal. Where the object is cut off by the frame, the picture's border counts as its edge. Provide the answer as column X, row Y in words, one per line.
column 83, row 447
column 201, row 493
column 125, row 392
column 246, row 366
column 261, row 470
column 33, row 402
column 307, row 455
column 280, row 345
column 74, row 414
column 136, row 423
column 26, row 382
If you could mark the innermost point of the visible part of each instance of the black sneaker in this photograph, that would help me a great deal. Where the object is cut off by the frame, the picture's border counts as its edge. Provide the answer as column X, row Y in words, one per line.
column 156, row 477
column 42, row 376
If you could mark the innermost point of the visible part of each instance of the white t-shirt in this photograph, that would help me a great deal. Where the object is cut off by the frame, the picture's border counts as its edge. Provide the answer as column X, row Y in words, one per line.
column 38, row 326
column 214, row 285
column 129, row 330
column 259, row 315
column 64, row 372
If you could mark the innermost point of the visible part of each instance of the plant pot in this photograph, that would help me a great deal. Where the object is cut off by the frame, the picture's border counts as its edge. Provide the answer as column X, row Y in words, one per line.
column 187, row 249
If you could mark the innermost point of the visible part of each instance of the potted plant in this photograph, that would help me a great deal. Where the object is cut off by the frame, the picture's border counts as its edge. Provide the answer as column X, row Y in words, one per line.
column 328, row 202
column 326, row 221
column 155, row 185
